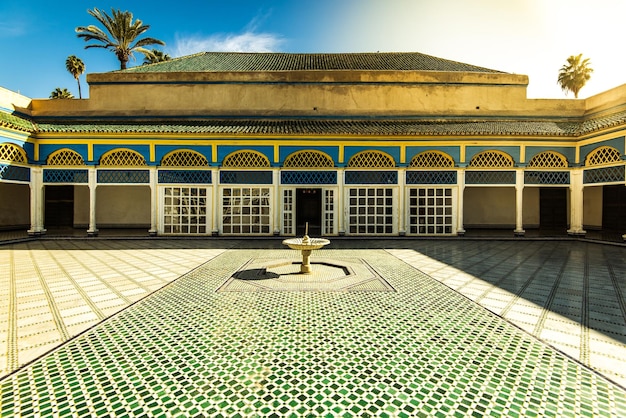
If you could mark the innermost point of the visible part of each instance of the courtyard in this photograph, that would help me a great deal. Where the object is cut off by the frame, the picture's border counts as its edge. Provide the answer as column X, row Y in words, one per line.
column 128, row 326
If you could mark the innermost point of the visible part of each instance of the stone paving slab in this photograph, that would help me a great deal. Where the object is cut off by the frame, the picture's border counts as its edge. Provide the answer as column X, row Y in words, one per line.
column 188, row 350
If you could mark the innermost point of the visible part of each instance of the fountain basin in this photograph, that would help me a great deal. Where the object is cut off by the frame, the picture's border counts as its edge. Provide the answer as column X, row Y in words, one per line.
column 306, row 244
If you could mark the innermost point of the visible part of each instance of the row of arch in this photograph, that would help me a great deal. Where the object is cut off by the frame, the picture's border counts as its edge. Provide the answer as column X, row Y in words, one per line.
column 312, row 159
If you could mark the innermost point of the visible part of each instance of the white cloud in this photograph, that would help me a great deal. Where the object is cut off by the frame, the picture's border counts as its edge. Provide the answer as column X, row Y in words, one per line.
column 244, row 42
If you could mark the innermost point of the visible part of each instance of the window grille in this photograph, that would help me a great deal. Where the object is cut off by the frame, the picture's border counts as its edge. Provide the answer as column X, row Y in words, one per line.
column 371, row 159
column 308, row 159
column 329, row 212
column 185, row 176
column 123, row 176
column 430, row 211
column 122, row 158
column 370, row 210
column 431, row 177
column 308, row 177
column 65, row 176
column 184, row 158
column 288, row 212
column 546, row 177
column 603, row 155
column 65, row 157
column 185, row 210
column 604, row 175
column 246, row 159
column 246, row 210
column 11, row 152
column 432, row 159
column 11, row 172
column 491, row 159
column 548, row 159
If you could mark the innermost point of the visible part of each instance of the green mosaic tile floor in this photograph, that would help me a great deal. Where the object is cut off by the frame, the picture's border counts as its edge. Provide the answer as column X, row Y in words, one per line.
column 423, row 350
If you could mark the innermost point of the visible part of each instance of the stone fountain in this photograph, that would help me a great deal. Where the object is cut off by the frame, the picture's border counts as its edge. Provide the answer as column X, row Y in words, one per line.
column 306, row 245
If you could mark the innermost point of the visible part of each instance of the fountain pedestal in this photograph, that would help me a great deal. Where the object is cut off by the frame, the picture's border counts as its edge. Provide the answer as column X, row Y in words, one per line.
column 306, row 245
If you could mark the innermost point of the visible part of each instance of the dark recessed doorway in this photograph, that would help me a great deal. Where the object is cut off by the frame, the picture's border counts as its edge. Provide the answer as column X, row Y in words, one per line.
column 309, row 209
column 614, row 208
column 553, row 208
column 59, row 209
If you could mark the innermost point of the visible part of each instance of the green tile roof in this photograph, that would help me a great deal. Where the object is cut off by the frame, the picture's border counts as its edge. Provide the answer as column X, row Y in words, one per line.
column 11, row 121
column 238, row 61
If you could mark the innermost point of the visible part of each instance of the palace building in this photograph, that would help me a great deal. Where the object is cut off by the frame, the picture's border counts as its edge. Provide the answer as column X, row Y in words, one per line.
column 358, row 144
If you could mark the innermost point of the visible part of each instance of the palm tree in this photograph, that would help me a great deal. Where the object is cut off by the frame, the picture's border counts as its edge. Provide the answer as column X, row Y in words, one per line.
column 157, row 56
column 574, row 75
column 76, row 67
column 124, row 34
column 60, row 93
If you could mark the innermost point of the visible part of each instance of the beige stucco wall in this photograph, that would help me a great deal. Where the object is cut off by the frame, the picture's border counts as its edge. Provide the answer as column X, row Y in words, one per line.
column 530, row 207
column 122, row 206
column 592, row 207
column 489, row 207
column 81, row 206
column 14, row 206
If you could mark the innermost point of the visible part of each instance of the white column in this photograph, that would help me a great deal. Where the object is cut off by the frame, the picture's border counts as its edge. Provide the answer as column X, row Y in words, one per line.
column 277, row 202
column 215, row 204
column 154, row 204
column 519, row 202
column 37, row 202
column 93, row 184
column 402, row 202
column 341, row 196
column 460, row 182
column 576, row 203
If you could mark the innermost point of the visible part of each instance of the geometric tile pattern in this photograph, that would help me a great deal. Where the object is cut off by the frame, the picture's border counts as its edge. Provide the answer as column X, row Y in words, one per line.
column 603, row 155
column 246, row 158
column 491, row 159
column 372, row 159
column 548, row 159
column 308, row 159
column 123, row 158
column 432, row 159
column 185, row 158
column 65, row 157
column 423, row 350
column 11, row 152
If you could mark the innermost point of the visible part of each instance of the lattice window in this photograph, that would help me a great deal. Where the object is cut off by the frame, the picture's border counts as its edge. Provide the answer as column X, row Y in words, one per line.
column 546, row 177
column 432, row 159
column 65, row 176
column 308, row 159
column 604, row 175
column 548, row 159
column 371, row 177
column 123, row 176
column 246, row 158
column 122, row 158
column 431, row 177
column 491, row 159
column 371, row 159
column 184, row 158
column 12, row 172
column 246, row 177
column 11, row 152
column 603, row 155
column 490, row 177
column 65, row 157
column 185, row 176
column 370, row 210
column 431, row 211
column 308, row 177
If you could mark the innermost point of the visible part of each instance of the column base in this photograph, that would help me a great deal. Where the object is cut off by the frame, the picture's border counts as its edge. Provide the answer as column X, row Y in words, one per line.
column 519, row 232
column 576, row 233
column 152, row 232
column 460, row 233
column 36, row 232
column 92, row 232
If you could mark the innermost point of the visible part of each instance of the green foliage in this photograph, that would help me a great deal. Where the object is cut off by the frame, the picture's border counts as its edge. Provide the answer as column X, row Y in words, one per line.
column 574, row 75
column 60, row 93
column 76, row 67
column 157, row 56
column 122, row 35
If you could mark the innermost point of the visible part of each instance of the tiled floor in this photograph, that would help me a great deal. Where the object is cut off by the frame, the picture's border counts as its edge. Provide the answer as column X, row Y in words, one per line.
column 427, row 348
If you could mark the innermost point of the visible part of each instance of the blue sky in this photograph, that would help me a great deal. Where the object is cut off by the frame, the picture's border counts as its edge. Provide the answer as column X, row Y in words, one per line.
column 532, row 37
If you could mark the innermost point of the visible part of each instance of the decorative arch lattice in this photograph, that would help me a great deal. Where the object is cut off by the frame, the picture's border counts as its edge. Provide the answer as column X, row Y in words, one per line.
column 11, row 152
column 123, row 158
column 184, row 158
column 492, row 159
column 603, row 155
column 65, row 157
column 548, row 159
column 432, row 159
column 246, row 159
column 371, row 159
column 308, row 159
